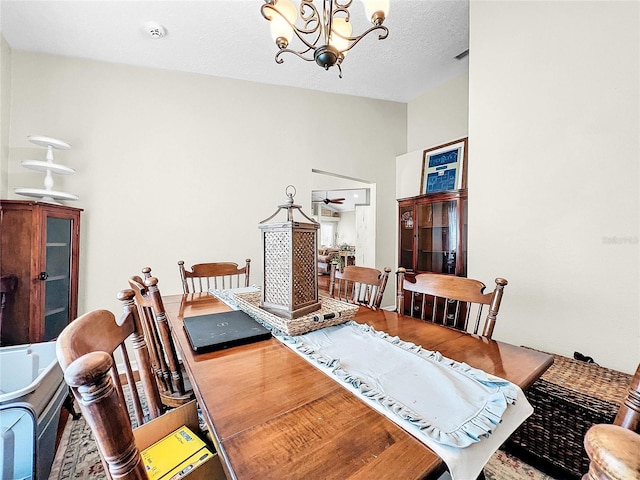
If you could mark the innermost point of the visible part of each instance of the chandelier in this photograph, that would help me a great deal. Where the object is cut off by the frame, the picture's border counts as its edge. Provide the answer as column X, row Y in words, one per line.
column 325, row 36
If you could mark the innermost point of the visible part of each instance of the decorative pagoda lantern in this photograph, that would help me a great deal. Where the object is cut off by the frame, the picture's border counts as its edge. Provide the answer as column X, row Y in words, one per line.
column 290, row 259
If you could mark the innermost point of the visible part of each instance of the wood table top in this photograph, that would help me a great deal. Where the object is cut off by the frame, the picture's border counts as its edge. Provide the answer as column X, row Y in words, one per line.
column 275, row 416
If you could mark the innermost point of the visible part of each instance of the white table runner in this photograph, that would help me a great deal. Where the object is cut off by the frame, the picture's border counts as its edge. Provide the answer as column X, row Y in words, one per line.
column 463, row 414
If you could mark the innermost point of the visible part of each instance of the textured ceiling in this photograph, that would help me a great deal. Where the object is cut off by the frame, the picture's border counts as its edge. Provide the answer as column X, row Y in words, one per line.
column 230, row 38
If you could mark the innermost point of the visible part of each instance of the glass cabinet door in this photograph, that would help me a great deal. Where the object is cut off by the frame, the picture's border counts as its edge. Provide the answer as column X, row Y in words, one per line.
column 437, row 236
column 406, row 237
column 57, row 278
column 432, row 233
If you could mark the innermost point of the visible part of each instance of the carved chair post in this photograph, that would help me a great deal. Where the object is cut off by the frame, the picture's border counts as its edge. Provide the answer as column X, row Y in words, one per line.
column 183, row 277
column 165, row 332
column 383, row 285
column 156, row 353
column 143, row 361
column 89, row 378
column 332, row 276
column 247, row 265
column 400, row 274
column 613, row 449
column 629, row 413
column 490, row 322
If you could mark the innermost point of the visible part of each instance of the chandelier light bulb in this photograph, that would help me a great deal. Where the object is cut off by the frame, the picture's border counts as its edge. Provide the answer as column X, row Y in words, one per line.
column 377, row 10
column 285, row 14
column 325, row 34
column 340, row 32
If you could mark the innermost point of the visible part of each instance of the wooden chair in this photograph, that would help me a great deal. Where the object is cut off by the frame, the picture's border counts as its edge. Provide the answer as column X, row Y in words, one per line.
column 162, row 350
column 361, row 285
column 450, row 300
column 8, row 285
column 219, row 275
column 614, row 450
column 86, row 351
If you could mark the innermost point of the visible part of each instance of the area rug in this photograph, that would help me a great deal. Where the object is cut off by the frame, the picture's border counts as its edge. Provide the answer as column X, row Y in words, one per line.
column 77, row 458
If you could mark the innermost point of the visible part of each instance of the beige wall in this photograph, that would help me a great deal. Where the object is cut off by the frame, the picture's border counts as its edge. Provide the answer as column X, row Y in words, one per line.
column 553, row 172
column 5, row 112
column 437, row 117
column 347, row 228
column 5, row 116
column 173, row 166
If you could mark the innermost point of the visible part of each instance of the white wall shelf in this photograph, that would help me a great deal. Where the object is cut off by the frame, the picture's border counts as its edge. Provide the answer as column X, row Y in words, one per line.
column 49, row 167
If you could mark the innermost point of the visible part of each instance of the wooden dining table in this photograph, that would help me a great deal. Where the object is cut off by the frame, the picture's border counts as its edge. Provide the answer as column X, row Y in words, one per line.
column 273, row 415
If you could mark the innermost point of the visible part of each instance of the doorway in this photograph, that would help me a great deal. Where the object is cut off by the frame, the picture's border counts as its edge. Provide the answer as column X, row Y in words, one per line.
column 350, row 222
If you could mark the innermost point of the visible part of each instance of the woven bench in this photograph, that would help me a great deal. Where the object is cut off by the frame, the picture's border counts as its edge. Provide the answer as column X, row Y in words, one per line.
column 570, row 397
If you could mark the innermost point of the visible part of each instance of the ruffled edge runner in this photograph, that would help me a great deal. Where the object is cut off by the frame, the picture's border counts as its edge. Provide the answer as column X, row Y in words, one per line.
column 472, row 431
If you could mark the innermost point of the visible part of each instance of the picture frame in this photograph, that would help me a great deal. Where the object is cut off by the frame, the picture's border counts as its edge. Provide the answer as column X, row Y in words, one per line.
column 444, row 167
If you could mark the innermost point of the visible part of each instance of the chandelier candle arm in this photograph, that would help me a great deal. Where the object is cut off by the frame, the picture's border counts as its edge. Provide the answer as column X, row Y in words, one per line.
column 328, row 36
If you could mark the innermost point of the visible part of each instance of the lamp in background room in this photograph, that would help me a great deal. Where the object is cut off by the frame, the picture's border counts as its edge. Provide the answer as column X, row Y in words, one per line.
column 325, row 36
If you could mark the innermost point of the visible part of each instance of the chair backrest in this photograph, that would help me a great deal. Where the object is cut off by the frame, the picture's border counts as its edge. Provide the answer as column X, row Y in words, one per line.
column 8, row 285
column 451, row 301
column 218, row 275
column 86, row 353
column 361, row 285
column 162, row 350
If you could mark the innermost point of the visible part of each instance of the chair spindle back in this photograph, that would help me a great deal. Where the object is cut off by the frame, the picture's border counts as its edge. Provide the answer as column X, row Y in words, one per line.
column 162, row 350
column 218, row 275
column 361, row 285
column 450, row 301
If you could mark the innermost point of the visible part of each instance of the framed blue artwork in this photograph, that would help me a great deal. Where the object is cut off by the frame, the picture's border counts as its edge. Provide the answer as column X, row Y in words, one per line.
column 443, row 167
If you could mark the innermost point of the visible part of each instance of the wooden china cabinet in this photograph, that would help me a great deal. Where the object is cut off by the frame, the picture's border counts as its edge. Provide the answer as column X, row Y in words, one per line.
column 432, row 234
column 39, row 243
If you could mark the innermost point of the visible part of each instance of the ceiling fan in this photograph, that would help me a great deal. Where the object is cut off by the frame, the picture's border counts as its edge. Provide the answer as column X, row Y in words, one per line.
column 326, row 200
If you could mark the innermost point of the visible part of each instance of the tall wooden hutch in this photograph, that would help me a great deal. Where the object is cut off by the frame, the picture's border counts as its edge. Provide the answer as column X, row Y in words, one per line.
column 39, row 243
column 432, row 233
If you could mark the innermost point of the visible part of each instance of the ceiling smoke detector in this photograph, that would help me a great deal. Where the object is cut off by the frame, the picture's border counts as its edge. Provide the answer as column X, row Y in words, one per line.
column 155, row 30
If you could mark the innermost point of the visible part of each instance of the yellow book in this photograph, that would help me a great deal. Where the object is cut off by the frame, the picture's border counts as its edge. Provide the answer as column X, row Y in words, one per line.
column 175, row 455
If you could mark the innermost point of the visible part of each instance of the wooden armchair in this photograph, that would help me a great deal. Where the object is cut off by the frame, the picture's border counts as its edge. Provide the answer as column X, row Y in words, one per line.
column 219, row 275
column 614, row 450
column 162, row 350
column 8, row 285
column 451, row 301
column 362, row 285
column 86, row 351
